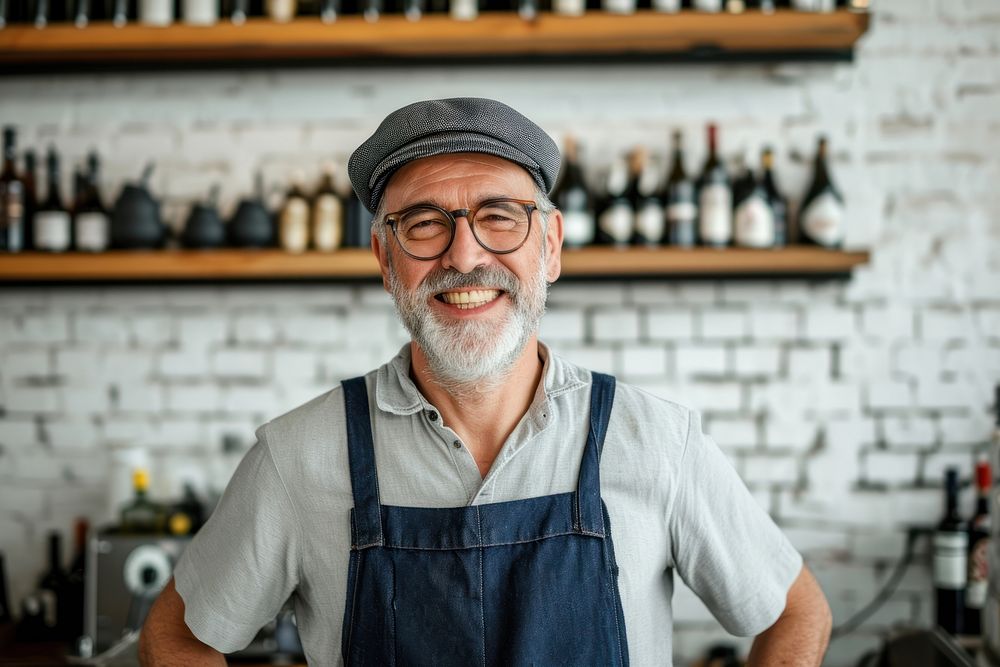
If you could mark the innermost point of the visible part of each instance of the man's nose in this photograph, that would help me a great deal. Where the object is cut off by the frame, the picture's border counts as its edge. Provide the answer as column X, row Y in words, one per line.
column 465, row 253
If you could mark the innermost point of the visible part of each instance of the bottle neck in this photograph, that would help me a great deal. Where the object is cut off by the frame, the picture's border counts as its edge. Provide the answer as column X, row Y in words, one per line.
column 55, row 555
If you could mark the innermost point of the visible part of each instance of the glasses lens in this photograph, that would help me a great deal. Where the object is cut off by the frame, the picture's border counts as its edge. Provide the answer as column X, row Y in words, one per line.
column 501, row 225
column 424, row 232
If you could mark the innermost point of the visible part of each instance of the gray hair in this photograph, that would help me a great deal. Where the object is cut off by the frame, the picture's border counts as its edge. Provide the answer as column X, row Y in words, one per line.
column 542, row 203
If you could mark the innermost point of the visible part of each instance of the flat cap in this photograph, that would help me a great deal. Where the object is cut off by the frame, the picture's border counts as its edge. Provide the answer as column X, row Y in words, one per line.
column 457, row 125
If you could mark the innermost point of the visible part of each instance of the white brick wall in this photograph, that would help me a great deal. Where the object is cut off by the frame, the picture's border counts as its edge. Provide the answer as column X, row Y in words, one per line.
column 840, row 403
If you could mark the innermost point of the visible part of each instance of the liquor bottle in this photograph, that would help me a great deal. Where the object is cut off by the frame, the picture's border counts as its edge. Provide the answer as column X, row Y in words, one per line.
column 293, row 221
column 52, row 226
column 156, row 12
column 92, row 224
column 682, row 212
column 776, row 202
column 52, row 589
column 618, row 6
column 978, row 554
column 12, row 197
column 141, row 516
column 715, row 198
column 668, row 6
column 282, row 11
column 76, row 578
column 616, row 223
column 358, row 232
column 187, row 516
column 569, row 7
column 327, row 213
column 240, row 9
column 753, row 221
column 40, row 13
column 821, row 219
column 414, row 10
column 647, row 200
column 767, row 6
column 6, row 616
column 712, row 6
column 119, row 12
column 527, row 9
column 372, row 10
column 30, row 198
column 464, row 10
column 736, row 6
column 572, row 197
column 951, row 542
column 201, row 12
column 81, row 13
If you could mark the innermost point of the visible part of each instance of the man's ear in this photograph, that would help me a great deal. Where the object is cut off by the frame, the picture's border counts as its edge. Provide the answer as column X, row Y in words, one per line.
column 382, row 257
column 553, row 246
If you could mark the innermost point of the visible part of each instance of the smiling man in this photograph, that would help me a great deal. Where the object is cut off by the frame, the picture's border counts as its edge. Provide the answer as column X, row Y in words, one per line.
column 478, row 500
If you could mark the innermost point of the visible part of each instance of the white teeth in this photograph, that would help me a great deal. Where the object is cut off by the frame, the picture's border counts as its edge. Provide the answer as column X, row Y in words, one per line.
column 472, row 299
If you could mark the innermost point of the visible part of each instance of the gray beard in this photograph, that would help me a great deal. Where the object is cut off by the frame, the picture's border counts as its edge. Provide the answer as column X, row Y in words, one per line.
column 471, row 357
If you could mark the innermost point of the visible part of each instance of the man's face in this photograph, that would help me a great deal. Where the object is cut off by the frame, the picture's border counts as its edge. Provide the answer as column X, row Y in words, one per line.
column 470, row 311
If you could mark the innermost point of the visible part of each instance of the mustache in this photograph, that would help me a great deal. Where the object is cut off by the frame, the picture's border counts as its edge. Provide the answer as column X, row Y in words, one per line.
column 441, row 280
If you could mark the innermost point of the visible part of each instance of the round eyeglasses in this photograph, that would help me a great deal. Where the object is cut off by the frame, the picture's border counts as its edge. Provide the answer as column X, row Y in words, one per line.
column 426, row 232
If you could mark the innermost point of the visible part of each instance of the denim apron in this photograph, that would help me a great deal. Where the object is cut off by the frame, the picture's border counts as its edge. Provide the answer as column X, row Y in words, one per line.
column 525, row 582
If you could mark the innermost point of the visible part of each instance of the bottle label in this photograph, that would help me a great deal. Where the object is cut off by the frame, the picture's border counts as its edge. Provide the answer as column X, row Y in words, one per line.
column 715, row 222
column 12, row 216
column 618, row 222
column 295, row 225
column 754, row 223
column 569, row 7
column 667, row 5
column 281, row 11
column 683, row 211
column 618, row 6
column 650, row 222
column 975, row 592
column 708, row 5
column 823, row 220
column 578, row 227
column 201, row 12
column 92, row 231
column 156, row 12
column 464, row 10
column 328, row 223
column 52, row 230
column 949, row 560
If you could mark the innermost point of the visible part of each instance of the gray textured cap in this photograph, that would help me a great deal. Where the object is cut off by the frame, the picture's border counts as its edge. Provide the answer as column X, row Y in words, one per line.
column 457, row 125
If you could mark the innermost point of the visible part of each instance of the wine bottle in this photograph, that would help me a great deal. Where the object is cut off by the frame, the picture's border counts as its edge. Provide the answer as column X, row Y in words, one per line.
column 141, row 516
column 6, row 616
column 52, row 589
column 293, row 221
column 119, row 12
column 52, row 223
column 682, row 212
column 616, row 223
column 775, row 201
column 5, row 14
column 821, row 219
column 978, row 554
column 712, row 6
column 736, row 6
column 647, row 200
column 156, row 12
column 240, row 9
column 40, row 13
column 572, row 197
column 753, row 221
column 282, row 11
column 668, row 6
column 76, row 578
column 372, row 10
column 527, row 9
column 12, row 197
column 92, row 223
column 30, row 198
column 81, row 13
column 201, row 12
column 951, row 542
column 618, row 6
column 327, row 213
column 414, row 10
column 715, row 198
column 569, row 7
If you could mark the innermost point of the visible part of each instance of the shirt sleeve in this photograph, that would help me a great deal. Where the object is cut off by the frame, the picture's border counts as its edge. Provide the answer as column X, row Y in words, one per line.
column 726, row 548
column 242, row 566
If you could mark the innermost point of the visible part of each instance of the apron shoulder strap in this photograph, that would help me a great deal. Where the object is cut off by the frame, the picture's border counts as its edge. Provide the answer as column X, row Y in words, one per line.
column 588, row 513
column 367, row 514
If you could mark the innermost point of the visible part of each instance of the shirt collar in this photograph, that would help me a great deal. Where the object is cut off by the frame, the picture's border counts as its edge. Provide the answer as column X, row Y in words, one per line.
column 396, row 393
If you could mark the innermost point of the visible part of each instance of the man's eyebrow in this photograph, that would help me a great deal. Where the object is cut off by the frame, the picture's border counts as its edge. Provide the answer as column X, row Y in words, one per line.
column 439, row 204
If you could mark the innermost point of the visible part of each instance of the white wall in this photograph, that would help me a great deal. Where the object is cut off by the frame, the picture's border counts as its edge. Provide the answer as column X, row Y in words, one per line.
column 839, row 403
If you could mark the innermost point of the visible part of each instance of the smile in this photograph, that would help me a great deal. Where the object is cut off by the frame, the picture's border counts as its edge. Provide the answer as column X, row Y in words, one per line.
column 470, row 299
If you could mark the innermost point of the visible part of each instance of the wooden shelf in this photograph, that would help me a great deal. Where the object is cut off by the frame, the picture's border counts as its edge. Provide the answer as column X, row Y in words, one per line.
column 492, row 36
column 351, row 264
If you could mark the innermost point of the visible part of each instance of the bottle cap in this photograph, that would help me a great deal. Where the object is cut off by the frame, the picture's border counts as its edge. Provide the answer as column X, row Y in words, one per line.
column 983, row 475
column 140, row 479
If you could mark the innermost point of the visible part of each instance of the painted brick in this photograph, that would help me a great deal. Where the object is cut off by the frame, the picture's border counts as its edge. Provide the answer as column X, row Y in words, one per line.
column 741, row 293
column 643, row 361
column 697, row 293
column 970, row 362
column 920, row 362
column 908, row 431
column 615, row 325
column 888, row 322
column 183, row 363
column 813, row 364
column 18, row 434
column 44, row 328
column 988, row 323
column 864, row 360
column 770, row 470
column 774, row 323
column 733, row 432
column 201, row 330
column 292, row 366
column 20, row 363
column 31, row 399
column 193, row 398
column 957, row 395
column 250, row 399
column 701, row 360
column 254, row 327
column 890, row 467
column 100, row 327
column 562, row 325
column 757, row 361
column 230, row 363
column 829, row 323
column 69, row 434
column 138, row 397
column 586, row 294
column 965, row 430
column 669, row 325
column 935, row 463
column 722, row 324
column 889, row 396
column 651, row 293
column 312, row 329
column 601, row 359
column 790, row 433
column 937, row 325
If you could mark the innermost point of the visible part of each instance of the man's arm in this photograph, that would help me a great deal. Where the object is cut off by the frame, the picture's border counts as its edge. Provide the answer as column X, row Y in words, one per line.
column 166, row 641
column 800, row 635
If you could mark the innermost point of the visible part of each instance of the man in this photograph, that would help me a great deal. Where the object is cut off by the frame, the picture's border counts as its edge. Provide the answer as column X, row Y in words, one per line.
column 478, row 500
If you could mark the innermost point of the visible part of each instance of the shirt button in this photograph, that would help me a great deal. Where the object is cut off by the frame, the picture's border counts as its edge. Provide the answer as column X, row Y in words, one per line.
column 457, row 444
column 432, row 415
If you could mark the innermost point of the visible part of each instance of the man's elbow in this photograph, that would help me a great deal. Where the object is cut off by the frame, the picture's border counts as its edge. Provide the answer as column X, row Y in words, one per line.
column 166, row 640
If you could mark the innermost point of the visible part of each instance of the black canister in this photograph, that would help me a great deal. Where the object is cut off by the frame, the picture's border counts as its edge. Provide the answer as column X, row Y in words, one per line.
column 135, row 222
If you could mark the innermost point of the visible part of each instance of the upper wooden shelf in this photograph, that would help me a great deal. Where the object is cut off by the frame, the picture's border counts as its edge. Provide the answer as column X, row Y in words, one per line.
column 492, row 36
column 275, row 265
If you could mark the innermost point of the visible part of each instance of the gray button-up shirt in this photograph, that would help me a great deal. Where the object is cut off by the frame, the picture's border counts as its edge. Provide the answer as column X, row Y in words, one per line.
column 675, row 503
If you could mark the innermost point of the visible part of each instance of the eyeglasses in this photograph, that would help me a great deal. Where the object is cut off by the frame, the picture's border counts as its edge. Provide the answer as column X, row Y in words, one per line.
column 498, row 225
